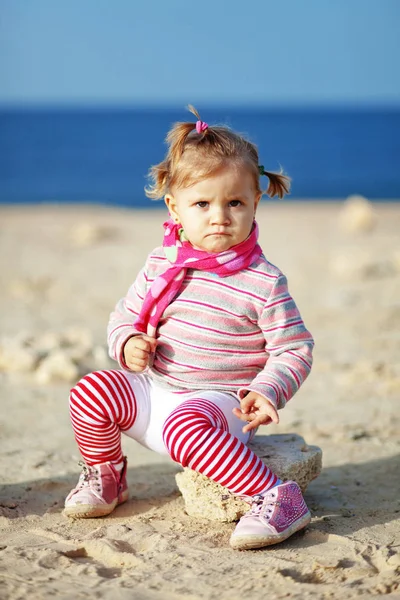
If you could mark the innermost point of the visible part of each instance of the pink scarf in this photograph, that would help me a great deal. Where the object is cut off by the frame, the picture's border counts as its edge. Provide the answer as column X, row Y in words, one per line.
column 182, row 256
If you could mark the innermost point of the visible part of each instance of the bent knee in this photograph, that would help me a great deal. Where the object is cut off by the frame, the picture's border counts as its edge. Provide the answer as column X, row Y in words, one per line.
column 94, row 385
column 183, row 430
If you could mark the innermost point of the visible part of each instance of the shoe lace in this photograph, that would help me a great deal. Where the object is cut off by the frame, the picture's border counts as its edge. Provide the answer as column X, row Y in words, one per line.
column 88, row 474
column 261, row 504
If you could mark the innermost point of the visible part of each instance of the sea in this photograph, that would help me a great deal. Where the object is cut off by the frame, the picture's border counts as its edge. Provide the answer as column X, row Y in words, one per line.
column 102, row 154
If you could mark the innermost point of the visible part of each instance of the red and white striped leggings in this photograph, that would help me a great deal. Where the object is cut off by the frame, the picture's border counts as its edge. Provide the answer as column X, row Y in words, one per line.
column 197, row 429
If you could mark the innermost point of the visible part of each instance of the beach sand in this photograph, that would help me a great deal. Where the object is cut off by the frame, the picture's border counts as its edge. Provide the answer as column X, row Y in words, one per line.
column 62, row 270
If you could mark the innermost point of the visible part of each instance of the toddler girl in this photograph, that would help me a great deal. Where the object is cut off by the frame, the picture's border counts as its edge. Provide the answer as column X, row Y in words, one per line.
column 207, row 337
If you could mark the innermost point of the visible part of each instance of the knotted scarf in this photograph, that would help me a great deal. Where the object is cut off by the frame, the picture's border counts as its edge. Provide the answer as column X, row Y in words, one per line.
column 182, row 256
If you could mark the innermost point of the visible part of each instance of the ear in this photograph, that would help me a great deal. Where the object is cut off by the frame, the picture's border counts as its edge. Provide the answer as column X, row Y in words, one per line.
column 171, row 205
column 256, row 201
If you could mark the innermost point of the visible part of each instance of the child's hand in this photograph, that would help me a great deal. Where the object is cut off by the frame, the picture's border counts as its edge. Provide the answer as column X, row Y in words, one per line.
column 137, row 352
column 256, row 410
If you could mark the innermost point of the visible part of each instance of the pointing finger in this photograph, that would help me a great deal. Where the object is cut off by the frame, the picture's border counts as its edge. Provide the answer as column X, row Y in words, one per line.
column 259, row 420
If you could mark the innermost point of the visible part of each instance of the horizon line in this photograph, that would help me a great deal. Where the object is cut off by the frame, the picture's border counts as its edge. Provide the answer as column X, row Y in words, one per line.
column 174, row 106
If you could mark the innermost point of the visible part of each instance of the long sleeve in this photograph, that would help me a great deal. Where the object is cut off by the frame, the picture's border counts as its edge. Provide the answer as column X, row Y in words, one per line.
column 288, row 344
column 120, row 326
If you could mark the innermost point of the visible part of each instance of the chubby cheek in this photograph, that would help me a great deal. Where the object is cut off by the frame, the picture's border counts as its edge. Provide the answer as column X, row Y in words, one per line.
column 194, row 226
column 245, row 226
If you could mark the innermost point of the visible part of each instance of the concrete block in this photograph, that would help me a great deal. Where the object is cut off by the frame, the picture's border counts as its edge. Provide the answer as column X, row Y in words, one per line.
column 286, row 454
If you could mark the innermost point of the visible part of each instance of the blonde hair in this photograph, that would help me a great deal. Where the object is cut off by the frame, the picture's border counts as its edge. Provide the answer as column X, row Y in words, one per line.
column 193, row 156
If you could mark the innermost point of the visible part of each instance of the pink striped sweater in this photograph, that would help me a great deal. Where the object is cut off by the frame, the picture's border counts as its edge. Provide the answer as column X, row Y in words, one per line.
column 237, row 333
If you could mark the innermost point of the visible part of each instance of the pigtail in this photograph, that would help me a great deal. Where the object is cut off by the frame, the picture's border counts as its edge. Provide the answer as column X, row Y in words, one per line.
column 176, row 140
column 279, row 184
column 159, row 174
column 177, row 136
column 194, row 112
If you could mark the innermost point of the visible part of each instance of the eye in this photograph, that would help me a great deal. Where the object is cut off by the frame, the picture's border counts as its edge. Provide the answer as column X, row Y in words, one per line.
column 234, row 203
column 202, row 204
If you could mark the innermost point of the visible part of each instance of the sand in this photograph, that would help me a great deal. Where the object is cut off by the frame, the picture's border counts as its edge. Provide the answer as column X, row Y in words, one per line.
column 62, row 270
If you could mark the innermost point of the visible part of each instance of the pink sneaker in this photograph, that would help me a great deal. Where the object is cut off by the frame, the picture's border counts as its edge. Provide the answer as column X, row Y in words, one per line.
column 272, row 518
column 100, row 489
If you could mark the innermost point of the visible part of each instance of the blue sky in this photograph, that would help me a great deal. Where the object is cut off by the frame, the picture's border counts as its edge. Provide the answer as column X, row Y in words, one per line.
column 176, row 51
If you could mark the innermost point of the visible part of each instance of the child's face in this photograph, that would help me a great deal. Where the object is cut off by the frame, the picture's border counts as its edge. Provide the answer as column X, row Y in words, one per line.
column 216, row 213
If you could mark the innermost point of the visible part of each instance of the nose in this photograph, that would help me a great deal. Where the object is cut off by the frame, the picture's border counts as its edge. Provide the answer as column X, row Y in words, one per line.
column 219, row 216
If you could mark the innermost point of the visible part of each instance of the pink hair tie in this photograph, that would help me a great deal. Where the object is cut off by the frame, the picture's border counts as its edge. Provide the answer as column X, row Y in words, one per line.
column 201, row 126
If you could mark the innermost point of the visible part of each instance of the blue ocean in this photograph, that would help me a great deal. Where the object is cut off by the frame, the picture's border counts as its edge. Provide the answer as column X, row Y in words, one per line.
column 103, row 154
